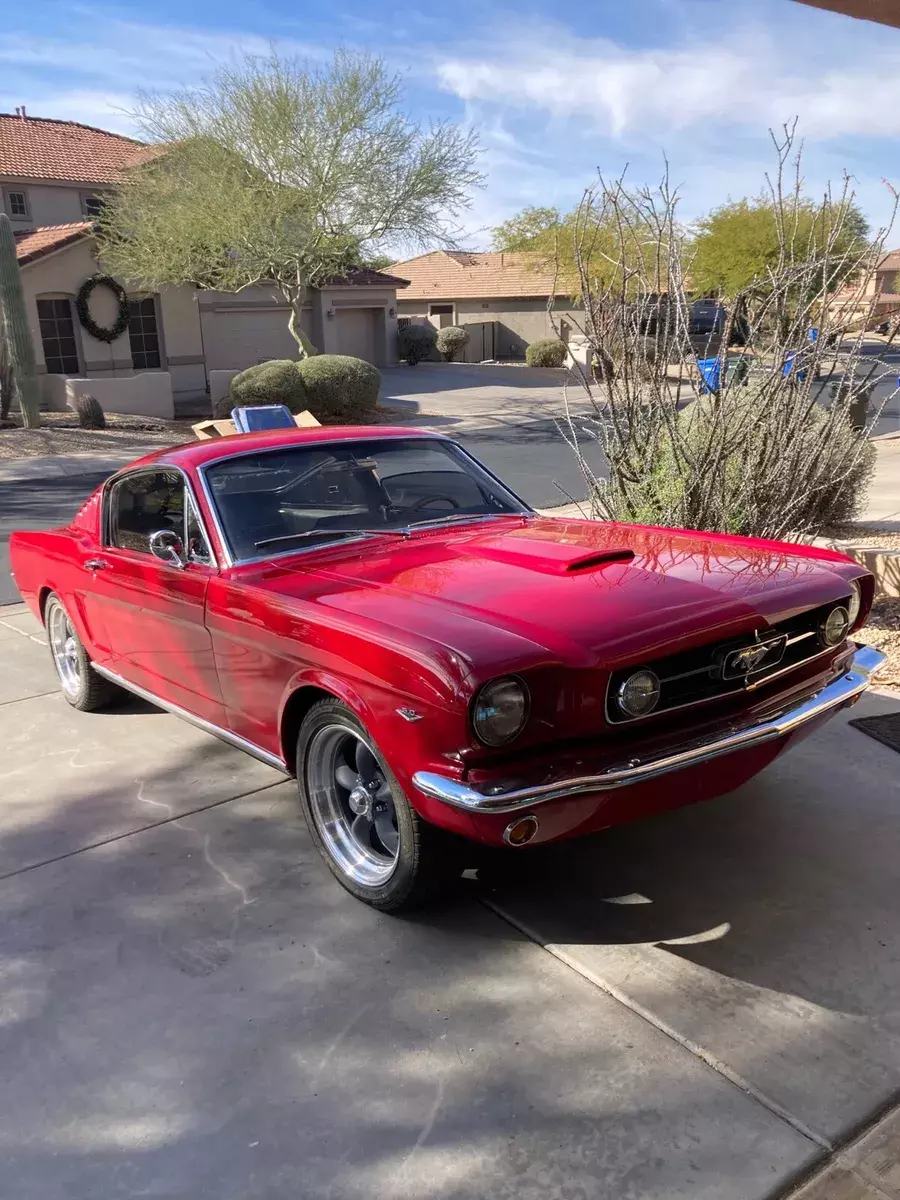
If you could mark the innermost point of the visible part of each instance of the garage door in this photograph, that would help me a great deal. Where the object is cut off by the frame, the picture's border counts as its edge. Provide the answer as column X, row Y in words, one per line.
column 234, row 340
column 356, row 332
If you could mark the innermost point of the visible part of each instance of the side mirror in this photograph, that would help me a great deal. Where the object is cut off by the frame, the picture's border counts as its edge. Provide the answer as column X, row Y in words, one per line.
column 168, row 547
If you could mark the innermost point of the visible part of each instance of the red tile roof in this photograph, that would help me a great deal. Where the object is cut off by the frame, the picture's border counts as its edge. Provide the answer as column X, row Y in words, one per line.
column 35, row 243
column 459, row 275
column 41, row 148
column 890, row 261
column 367, row 276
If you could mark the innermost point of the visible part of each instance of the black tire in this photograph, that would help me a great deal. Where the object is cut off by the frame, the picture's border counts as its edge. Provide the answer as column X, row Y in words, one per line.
column 84, row 689
column 427, row 858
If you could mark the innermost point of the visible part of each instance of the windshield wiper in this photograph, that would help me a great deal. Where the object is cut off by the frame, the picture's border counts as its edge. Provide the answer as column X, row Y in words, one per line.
column 458, row 517
column 308, row 533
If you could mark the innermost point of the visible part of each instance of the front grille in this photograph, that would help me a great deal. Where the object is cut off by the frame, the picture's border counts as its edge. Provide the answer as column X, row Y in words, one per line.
column 728, row 668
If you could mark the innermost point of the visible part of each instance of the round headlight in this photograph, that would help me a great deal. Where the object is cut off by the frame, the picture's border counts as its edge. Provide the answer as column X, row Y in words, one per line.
column 639, row 694
column 500, row 711
column 855, row 603
column 835, row 627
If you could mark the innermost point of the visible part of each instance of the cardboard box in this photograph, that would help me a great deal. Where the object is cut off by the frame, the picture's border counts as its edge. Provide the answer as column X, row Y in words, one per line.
column 204, row 430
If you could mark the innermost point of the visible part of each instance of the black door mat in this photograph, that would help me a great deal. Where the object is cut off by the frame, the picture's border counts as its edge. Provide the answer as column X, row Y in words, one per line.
column 884, row 729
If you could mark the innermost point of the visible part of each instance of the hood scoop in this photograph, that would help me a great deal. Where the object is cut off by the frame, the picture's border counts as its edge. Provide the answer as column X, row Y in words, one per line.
column 549, row 555
column 599, row 558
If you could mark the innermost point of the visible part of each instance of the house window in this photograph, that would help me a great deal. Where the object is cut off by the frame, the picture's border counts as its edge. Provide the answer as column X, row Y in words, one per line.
column 91, row 206
column 58, row 337
column 17, row 203
column 142, row 329
column 443, row 312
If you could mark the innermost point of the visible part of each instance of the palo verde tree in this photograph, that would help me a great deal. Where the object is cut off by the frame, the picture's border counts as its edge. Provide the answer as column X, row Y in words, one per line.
column 284, row 174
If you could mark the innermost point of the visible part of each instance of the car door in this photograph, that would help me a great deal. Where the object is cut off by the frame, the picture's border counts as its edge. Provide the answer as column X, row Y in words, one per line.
column 152, row 608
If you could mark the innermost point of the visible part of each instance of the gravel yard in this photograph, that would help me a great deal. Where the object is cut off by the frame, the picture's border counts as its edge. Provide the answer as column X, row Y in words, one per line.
column 60, row 433
column 883, row 632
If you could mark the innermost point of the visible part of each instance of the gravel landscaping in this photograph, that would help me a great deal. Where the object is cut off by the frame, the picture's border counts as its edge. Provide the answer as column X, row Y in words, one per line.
column 60, row 433
column 883, row 632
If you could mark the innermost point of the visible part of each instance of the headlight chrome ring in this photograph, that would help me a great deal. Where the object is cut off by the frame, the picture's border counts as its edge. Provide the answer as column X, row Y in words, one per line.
column 500, row 711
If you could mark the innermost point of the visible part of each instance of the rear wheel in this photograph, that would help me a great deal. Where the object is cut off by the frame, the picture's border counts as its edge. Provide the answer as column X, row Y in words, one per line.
column 374, row 841
column 81, row 685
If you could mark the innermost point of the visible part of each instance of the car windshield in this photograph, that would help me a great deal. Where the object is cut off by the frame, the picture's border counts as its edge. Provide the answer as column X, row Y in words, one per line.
column 305, row 495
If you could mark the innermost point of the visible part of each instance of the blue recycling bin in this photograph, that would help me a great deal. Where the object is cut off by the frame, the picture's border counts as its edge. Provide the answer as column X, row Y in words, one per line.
column 710, row 375
column 793, row 366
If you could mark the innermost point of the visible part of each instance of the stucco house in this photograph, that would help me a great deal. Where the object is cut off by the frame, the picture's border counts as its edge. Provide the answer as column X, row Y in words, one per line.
column 53, row 176
column 500, row 297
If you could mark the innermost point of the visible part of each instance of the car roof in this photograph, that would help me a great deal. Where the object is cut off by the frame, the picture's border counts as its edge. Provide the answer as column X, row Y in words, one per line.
column 199, row 453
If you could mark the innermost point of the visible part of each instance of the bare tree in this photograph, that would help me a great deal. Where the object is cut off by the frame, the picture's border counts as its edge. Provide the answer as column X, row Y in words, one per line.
column 756, row 427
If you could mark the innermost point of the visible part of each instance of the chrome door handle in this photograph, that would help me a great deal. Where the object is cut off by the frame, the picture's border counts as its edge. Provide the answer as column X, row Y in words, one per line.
column 96, row 564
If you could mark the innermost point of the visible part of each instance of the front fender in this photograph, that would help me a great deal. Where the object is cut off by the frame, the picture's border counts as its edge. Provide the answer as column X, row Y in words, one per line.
column 407, row 739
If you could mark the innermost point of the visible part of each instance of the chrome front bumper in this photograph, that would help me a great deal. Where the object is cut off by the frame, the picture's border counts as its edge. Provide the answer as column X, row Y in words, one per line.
column 833, row 696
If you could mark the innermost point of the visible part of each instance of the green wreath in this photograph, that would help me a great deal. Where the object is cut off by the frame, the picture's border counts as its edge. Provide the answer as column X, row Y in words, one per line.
column 82, row 307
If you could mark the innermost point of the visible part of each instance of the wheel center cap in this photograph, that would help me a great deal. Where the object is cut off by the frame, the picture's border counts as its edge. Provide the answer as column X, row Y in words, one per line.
column 361, row 801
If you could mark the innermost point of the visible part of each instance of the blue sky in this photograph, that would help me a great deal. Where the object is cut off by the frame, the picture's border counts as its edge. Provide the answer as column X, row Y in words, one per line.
column 554, row 91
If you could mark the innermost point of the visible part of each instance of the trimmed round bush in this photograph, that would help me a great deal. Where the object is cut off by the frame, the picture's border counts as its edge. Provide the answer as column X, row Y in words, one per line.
column 415, row 342
column 546, row 352
column 275, row 382
column 451, row 341
column 340, row 390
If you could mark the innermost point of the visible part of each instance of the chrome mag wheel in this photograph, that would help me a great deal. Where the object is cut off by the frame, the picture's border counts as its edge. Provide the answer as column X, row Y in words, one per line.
column 64, row 647
column 352, row 805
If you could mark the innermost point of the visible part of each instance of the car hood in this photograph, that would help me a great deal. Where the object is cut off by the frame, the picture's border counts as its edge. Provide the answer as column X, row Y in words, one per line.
column 588, row 593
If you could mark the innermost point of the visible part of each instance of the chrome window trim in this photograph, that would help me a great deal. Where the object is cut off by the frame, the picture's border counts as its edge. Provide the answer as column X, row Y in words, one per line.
column 231, row 561
column 124, row 473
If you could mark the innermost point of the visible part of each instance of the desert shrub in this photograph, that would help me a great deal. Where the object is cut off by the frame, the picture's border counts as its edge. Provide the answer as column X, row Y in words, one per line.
column 90, row 414
column 415, row 342
column 340, row 390
column 451, row 341
column 275, row 382
column 731, row 449
column 546, row 352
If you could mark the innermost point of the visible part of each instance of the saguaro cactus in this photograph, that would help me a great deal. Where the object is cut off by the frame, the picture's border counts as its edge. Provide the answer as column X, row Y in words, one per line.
column 18, row 335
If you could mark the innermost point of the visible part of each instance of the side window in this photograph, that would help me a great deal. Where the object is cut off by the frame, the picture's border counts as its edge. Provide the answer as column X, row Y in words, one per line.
column 142, row 503
column 197, row 547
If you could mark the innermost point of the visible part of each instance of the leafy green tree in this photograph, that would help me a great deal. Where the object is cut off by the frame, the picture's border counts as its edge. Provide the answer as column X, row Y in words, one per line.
column 742, row 245
column 282, row 173
column 586, row 241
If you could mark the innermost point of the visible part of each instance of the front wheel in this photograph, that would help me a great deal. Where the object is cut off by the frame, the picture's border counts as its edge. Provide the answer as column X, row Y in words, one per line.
column 371, row 837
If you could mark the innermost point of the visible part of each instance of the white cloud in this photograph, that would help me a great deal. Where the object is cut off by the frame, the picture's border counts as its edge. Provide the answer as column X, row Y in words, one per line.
column 745, row 77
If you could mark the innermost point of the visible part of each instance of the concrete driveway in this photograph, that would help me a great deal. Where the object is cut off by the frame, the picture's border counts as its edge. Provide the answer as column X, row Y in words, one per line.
column 702, row 1006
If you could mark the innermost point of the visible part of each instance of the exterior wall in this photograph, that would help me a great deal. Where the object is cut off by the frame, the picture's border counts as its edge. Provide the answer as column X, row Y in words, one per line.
column 147, row 394
column 62, row 274
column 49, row 203
column 518, row 321
column 203, row 331
column 242, row 329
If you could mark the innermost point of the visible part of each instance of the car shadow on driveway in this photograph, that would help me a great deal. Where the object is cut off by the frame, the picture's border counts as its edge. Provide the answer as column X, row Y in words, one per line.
column 199, row 1010
column 764, row 926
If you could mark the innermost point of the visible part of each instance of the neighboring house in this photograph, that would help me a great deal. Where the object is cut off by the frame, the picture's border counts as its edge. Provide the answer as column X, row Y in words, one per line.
column 878, row 294
column 53, row 176
column 501, row 298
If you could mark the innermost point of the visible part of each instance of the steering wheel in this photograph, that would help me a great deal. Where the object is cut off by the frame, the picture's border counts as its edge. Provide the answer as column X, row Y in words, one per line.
column 430, row 500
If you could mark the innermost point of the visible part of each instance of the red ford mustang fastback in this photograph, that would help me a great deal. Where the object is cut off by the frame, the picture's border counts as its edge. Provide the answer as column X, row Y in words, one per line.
column 375, row 612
